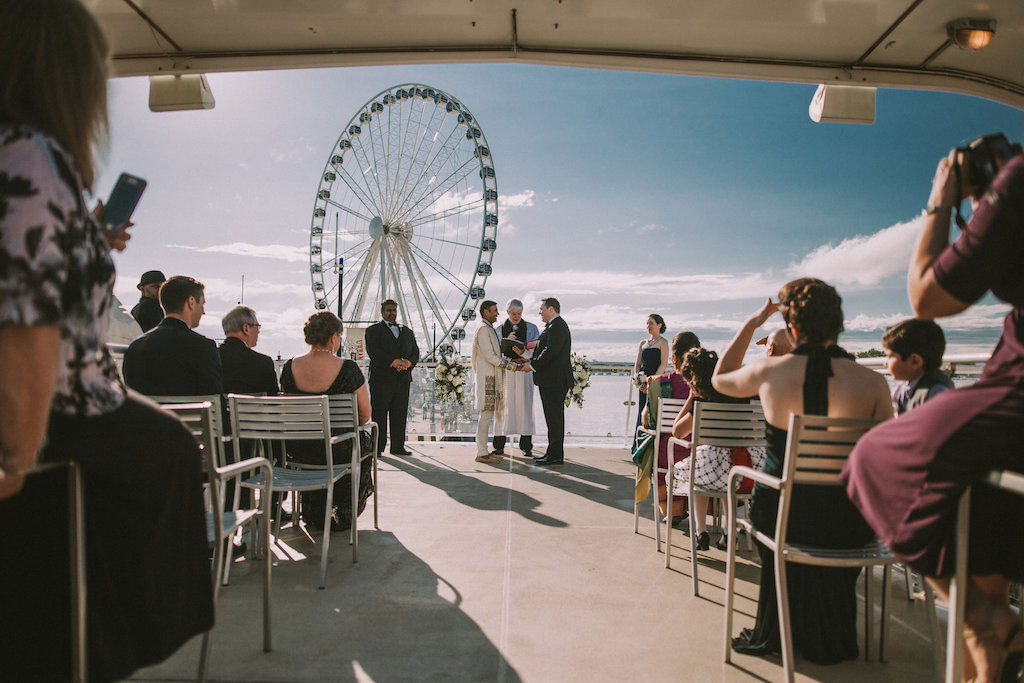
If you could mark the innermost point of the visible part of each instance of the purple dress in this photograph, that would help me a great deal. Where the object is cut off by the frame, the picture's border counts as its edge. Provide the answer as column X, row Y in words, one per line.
column 906, row 475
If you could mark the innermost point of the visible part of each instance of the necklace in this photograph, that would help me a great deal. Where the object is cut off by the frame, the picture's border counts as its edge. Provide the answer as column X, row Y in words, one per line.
column 316, row 350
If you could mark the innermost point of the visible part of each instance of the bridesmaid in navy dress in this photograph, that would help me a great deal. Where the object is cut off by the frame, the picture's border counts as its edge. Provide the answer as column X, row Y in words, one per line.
column 651, row 357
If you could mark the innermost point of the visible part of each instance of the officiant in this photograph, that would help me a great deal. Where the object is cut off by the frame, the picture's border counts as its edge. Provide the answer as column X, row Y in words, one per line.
column 519, row 388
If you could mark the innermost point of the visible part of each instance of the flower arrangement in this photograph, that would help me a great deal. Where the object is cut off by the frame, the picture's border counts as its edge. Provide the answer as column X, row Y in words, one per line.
column 581, row 380
column 450, row 380
column 640, row 380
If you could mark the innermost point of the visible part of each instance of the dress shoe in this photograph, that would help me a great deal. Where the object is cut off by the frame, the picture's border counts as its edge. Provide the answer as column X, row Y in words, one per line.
column 401, row 452
column 488, row 459
column 497, row 454
column 549, row 460
column 704, row 541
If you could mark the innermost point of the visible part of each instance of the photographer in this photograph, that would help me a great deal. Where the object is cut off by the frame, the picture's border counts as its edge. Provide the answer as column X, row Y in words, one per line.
column 906, row 476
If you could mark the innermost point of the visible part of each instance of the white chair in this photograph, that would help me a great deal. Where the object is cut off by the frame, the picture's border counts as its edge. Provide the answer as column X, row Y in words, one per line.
column 221, row 525
column 727, row 425
column 298, row 418
column 816, row 450
column 668, row 410
column 1001, row 479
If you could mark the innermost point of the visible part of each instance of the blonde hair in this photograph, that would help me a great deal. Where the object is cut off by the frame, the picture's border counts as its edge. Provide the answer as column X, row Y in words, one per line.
column 53, row 75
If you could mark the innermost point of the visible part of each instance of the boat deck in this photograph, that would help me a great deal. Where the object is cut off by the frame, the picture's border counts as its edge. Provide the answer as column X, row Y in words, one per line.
column 507, row 573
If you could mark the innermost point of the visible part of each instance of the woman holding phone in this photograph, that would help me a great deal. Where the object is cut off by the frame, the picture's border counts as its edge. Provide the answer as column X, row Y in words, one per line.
column 61, row 397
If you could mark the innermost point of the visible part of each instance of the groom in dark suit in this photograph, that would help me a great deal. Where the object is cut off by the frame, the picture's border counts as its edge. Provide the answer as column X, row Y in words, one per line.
column 552, row 373
column 393, row 354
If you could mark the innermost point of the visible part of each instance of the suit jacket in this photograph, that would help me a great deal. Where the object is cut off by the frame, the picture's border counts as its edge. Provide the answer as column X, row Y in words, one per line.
column 246, row 371
column 551, row 363
column 147, row 313
column 383, row 349
column 172, row 360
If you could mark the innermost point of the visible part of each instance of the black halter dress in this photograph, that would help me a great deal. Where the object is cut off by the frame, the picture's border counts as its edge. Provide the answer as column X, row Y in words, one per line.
column 822, row 601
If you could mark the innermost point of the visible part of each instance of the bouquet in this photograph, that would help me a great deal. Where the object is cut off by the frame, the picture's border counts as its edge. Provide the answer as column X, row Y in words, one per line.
column 640, row 380
column 450, row 380
column 581, row 380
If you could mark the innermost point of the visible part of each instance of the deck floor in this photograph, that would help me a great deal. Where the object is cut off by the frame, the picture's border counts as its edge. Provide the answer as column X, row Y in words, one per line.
column 506, row 573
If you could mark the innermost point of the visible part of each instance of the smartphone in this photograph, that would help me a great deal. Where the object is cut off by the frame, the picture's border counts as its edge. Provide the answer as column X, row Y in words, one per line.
column 122, row 202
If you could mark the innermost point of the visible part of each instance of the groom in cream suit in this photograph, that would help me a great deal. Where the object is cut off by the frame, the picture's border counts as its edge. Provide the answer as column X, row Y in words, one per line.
column 489, row 365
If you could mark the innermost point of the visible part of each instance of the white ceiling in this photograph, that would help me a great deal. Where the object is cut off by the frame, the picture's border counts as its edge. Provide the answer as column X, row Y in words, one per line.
column 809, row 41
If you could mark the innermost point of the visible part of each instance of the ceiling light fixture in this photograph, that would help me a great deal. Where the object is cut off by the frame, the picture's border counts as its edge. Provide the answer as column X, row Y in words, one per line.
column 971, row 33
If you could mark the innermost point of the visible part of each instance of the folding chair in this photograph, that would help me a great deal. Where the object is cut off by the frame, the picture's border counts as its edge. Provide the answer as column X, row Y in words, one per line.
column 221, row 525
column 298, row 418
column 728, row 425
column 1000, row 479
column 345, row 418
column 668, row 410
column 816, row 450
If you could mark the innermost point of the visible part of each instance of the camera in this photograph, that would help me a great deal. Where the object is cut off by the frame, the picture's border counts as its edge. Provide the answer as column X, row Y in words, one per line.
column 983, row 157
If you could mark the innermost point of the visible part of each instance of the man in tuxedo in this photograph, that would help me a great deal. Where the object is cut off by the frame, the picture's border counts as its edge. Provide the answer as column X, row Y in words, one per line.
column 393, row 354
column 147, row 312
column 245, row 371
column 172, row 359
column 552, row 373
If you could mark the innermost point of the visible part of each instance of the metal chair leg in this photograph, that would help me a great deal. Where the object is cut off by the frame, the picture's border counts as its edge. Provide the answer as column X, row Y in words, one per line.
column 730, row 578
column 883, row 633
column 693, row 541
column 785, row 632
column 869, row 610
column 636, row 505
column 654, row 503
column 958, row 594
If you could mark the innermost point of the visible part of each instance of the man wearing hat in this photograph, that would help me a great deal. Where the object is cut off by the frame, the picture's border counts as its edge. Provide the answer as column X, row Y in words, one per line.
column 148, row 312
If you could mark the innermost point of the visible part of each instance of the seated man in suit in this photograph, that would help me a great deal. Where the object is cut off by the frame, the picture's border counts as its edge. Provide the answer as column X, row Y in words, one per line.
column 245, row 371
column 172, row 359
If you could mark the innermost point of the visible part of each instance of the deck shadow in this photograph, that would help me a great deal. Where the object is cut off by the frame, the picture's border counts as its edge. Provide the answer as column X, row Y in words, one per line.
column 475, row 493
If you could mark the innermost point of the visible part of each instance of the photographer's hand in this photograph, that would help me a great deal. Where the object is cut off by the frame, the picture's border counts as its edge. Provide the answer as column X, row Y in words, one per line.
column 944, row 194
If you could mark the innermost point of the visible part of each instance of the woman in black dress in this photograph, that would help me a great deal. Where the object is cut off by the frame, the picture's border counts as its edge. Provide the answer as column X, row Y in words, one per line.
column 816, row 378
column 321, row 371
column 651, row 358
column 147, row 570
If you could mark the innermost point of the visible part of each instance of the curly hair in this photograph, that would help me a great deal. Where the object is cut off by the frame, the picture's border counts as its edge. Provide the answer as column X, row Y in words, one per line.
column 698, row 366
column 658, row 320
column 683, row 342
column 812, row 307
column 320, row 327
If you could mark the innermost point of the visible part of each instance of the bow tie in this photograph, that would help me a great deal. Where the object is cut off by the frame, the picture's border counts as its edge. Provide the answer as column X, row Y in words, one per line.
column 393, row 325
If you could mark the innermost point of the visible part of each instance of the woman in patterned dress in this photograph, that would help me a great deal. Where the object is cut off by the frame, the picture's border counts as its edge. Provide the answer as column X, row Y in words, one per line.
column 147, row 567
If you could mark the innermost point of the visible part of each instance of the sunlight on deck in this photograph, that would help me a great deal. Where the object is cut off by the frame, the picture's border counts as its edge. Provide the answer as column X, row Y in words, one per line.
column 507, row 573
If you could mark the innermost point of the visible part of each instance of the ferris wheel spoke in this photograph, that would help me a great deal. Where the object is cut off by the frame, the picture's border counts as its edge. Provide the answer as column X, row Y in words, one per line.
column 364, row 281
column 353, row 248
column 455, row 242
column 441, row 270
column 429, row 167
column 442, row 189
column 344, row 208
column 448, row 213
column 365, row 200
column 399, row 292
column 369, row 168
column 404, row 259
column 402, row 154
column 419, row 145
column 428, row 292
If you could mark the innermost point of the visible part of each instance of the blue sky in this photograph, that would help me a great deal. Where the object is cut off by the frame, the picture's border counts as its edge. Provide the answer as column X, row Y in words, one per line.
column 623, row 194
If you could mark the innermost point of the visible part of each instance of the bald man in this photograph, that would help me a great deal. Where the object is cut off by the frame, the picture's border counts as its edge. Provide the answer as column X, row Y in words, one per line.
column 778, row 343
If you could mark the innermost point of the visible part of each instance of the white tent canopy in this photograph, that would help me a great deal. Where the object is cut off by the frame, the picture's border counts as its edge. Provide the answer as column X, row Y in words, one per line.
column 882, row 43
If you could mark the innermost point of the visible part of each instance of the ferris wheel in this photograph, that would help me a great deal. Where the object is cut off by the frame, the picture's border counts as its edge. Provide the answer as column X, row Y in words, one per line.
column 406, row 209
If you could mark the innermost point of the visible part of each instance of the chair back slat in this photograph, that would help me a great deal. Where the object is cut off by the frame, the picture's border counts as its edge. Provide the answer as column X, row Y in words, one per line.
column 819, row 446
column 729, row 425
column 344, row 412
column 668, row 410
column 280, row 417
column 198, row 419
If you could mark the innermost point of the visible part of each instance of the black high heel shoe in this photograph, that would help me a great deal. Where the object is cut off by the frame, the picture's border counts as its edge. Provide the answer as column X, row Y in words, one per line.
column 704, row 541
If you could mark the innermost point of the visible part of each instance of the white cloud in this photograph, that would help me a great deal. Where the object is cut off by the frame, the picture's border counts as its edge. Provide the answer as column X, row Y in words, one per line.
column 653, row 287
column 864, row 260
column 284, row 252
column 652, row 227
column 983, row 317
column 516, row 201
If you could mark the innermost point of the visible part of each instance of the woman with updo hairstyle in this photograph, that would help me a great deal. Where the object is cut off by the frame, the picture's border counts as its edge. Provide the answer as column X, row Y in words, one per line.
column 651, row 358
column 817, row 378
column 318, row 372
column 711, row 468
column 671, row 385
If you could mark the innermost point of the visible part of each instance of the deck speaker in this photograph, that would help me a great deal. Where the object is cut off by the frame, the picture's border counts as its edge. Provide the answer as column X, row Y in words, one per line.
column 179, row 92
column 843, row 104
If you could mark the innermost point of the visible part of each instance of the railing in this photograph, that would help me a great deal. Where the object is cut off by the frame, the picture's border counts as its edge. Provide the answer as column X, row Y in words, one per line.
column 610, row 400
